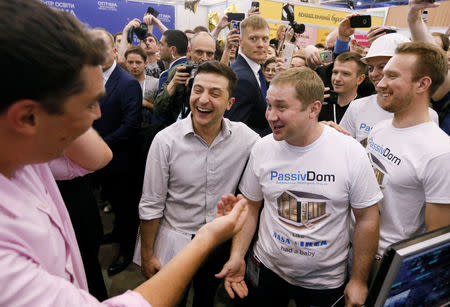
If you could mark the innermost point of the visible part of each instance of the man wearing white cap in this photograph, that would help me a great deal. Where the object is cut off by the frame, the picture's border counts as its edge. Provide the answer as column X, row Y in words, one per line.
column 364, row 113
column 410, row 154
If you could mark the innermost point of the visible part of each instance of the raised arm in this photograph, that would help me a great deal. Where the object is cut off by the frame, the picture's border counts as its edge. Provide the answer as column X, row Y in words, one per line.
column 89, row 151
column 123, row 45
column 151, row 20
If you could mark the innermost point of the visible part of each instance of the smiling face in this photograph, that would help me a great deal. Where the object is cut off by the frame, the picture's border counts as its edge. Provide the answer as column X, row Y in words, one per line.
column 254, row 43
column 396, row 88
column 57, row 131
column 375, row 67
column 209, row 101
column 286, row 114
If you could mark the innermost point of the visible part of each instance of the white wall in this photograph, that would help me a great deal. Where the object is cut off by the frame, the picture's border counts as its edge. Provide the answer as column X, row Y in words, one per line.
column 186, row 19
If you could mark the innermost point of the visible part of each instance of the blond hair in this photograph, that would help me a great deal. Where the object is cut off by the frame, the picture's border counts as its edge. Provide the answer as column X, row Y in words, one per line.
column 308, row 85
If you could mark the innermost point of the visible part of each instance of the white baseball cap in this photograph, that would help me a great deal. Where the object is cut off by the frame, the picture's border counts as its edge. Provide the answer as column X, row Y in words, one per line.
column 385, row 46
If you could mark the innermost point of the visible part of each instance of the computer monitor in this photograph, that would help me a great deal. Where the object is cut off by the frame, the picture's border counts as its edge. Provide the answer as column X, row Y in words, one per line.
column 414, row 272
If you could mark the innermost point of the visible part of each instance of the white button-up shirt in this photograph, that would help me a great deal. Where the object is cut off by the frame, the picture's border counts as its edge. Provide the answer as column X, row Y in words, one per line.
column 185, row 178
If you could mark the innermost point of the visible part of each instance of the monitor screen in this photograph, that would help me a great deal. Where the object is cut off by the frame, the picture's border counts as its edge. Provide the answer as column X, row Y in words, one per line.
column 414, row 272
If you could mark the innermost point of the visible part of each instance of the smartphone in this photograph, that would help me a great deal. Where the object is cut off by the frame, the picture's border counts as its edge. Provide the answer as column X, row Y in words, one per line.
column 425, row 15
column 361, row 21
column 235, row 24
column 235, row 16
column 255, row 5
column 287, row 53
column 326, row 56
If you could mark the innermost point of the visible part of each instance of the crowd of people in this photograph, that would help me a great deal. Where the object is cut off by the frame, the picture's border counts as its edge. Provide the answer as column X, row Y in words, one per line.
column 282, row 178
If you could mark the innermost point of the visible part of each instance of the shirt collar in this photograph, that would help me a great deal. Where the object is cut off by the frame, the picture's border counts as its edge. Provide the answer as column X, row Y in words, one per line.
column 176, row 60
column 107, row 73
column 253, row 65
column 188, row 128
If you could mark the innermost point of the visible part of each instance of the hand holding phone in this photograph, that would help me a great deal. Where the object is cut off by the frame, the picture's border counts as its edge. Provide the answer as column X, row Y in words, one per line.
column 255, row 6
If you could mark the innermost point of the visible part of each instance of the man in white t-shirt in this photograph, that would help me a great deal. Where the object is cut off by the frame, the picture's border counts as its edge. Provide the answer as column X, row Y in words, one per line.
column 303, row 239
column 411, row 154
column 362, row 114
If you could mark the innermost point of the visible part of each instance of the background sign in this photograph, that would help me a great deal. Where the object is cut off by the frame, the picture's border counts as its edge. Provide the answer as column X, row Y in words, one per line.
column 319, row 21
column 113, row 15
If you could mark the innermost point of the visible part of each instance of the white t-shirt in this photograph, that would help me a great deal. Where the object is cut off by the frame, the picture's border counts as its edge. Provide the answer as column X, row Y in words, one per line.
column 362, row 114
column 412, row 166
column 307, row 191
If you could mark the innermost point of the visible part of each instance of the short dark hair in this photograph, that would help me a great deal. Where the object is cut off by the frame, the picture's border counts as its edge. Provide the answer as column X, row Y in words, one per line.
column 178, row 39
column 444, row 39
column 189, row 31
column 200, row 29
column 115, row 36
column 269, row 61
column 49, row 42
column 215, row 67
column 136, row 50
column 355, row 57
column 152, row 35
column 431, row 62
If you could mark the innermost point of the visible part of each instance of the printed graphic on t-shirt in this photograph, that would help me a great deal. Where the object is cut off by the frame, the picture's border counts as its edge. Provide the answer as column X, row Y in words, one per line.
column 302, row 209
column 383, row 152
column 379, row 169
column 363, row 142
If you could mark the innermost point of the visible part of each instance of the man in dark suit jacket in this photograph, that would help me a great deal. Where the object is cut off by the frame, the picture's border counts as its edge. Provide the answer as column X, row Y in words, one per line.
column 250, row 104
column 121, row 119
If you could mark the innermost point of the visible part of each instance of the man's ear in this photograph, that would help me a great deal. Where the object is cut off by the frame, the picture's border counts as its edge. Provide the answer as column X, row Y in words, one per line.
column 173, row 51
column 424, row 84
column 360, row 79
column 315, row 108
column 21, row 116
column 230, row 102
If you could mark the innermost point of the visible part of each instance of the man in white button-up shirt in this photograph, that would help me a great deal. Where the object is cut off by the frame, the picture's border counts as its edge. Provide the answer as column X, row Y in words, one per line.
column 189, row 166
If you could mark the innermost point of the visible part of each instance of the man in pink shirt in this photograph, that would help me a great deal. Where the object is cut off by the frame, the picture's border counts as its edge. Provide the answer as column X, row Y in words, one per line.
column 45, row 133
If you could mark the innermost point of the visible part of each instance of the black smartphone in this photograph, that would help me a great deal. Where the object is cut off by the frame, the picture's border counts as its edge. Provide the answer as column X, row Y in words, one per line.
column 235, row 24
column 361, row 21
column 255, row 5
column 235, row 16
column 152, row 11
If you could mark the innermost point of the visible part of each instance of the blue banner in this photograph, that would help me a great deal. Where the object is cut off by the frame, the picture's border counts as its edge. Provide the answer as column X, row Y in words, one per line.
column 113, row 15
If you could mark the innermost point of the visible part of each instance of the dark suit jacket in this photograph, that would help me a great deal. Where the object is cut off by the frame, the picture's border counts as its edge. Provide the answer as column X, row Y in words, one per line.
column 250, row 105
column 121, row 118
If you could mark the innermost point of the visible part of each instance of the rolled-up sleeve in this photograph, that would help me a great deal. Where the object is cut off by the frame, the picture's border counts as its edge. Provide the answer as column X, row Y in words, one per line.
column 154, row 190
column 65, row 169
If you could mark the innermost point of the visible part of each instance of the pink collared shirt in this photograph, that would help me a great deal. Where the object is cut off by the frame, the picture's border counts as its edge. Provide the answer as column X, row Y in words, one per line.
column 40, row 262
